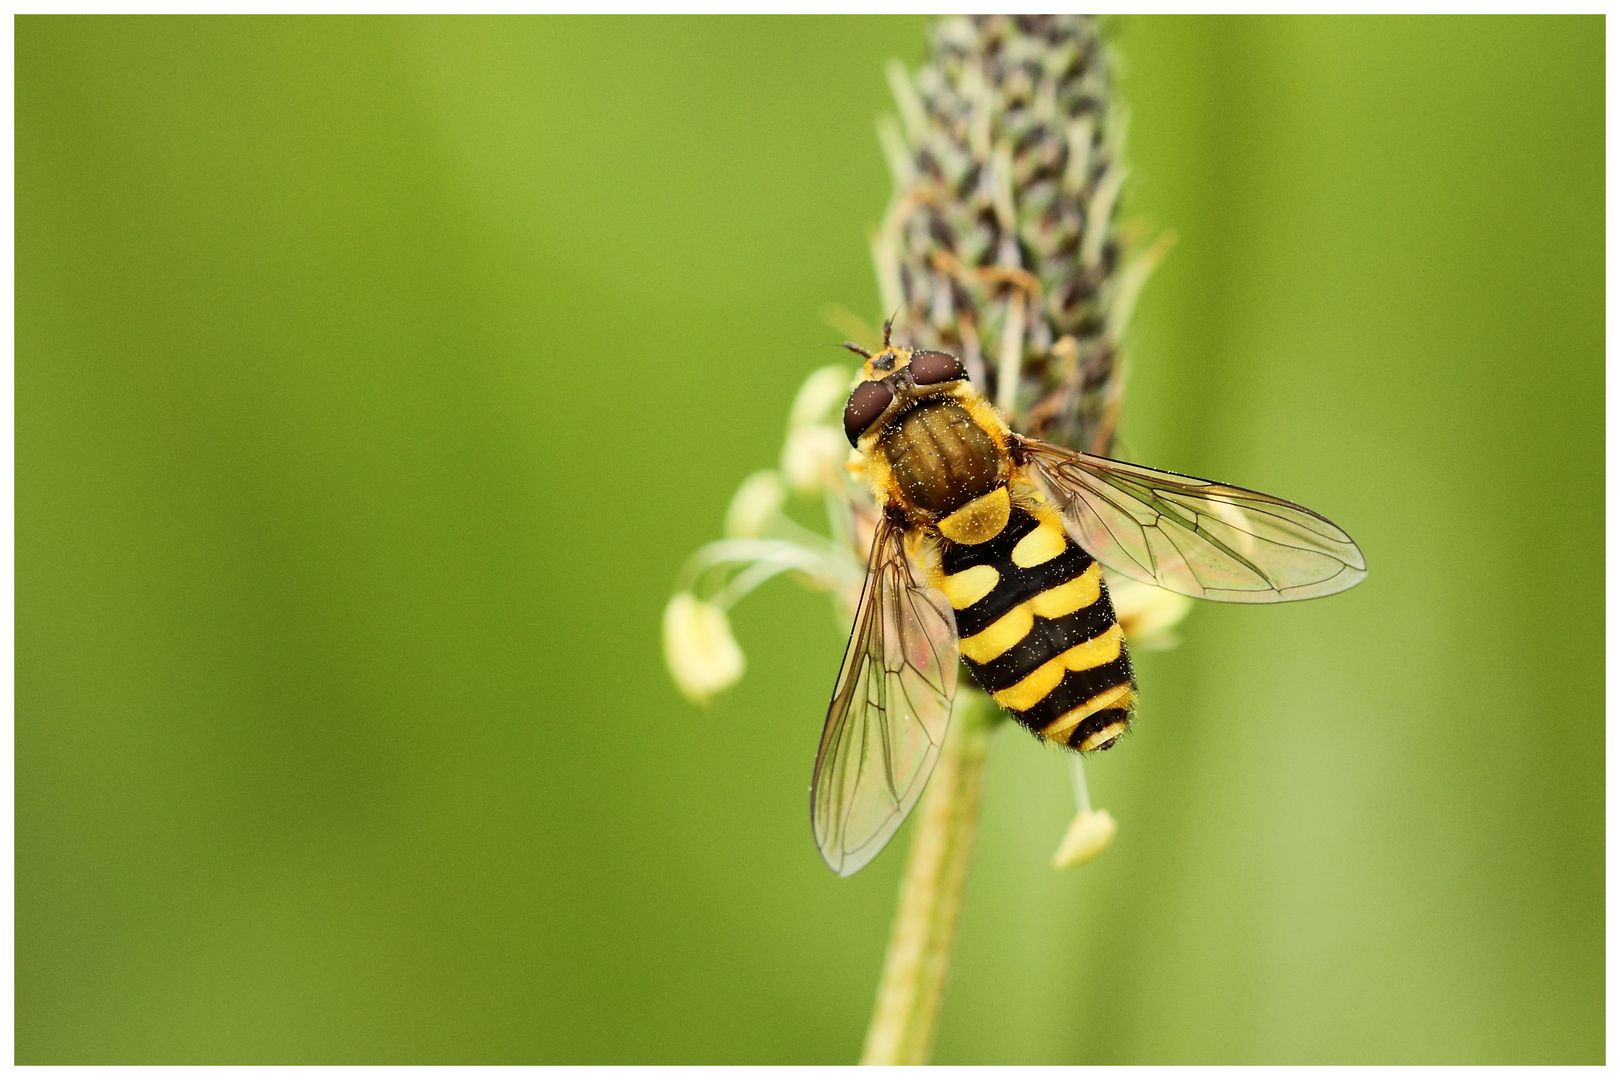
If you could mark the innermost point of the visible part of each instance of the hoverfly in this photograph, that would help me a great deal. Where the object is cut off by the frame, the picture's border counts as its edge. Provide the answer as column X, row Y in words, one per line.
column 989, row 546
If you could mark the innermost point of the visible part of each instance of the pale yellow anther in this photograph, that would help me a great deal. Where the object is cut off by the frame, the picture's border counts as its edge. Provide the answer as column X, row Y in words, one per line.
column 813, row 457
column 1148, row 613
column 824, row 390
column 1088, row 837
column 702, row 655
column 756, row 502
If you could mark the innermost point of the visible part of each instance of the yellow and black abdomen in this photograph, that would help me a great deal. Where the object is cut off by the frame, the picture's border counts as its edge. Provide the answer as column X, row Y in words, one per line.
column 1038, row 632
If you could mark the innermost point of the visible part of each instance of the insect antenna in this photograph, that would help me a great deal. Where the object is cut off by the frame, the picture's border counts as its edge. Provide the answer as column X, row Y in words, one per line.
column 857, row 350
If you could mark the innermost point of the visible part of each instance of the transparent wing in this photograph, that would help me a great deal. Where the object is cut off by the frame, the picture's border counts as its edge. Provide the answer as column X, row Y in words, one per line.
column 1193, row 536
column 889, row 710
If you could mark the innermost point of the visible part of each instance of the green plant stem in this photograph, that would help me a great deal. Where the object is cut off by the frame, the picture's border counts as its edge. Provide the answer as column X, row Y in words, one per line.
column 918, row 961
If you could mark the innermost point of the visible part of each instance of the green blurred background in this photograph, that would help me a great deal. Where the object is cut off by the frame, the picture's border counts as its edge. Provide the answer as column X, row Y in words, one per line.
column 374, row 377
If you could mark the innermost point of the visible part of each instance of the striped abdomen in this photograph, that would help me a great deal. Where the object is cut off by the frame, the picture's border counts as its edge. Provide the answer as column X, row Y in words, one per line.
column 1038, row 632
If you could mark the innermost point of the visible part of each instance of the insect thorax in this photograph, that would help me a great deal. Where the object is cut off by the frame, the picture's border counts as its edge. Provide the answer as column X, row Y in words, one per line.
column 940, row 459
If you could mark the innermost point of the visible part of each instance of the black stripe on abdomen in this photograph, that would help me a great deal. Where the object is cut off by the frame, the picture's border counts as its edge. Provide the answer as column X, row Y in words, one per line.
column 1015, row 584
column 1041, row 637
column 1047, row 638
column 1077, row 688
column 955, row 558
column 1018, row 584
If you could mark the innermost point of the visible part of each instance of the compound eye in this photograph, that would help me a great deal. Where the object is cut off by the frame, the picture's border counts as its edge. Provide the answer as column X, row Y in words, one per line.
column 866, row 404
column 928, row 368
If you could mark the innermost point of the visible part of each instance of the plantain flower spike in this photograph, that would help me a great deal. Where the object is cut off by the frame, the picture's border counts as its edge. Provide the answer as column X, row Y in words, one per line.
column 755, row 505
column 1000, row 245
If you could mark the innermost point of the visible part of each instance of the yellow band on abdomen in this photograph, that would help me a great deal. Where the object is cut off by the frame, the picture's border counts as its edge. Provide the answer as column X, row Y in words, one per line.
column 1071, row 596
column 1100, row 650
column 999, row 636
column 979, row 521
column 1044, row 544
column 1118, row 697
column 968, row 587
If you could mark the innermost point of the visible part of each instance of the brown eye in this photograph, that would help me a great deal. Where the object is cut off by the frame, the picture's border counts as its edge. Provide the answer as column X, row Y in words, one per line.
column 866, row 404
column 928, row 368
